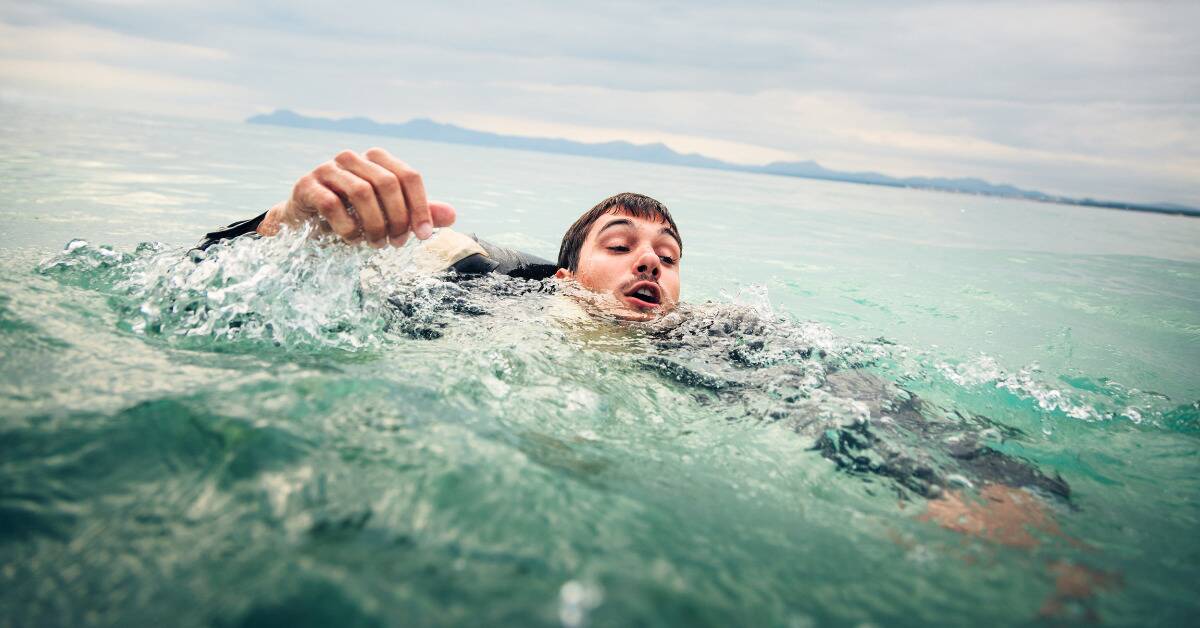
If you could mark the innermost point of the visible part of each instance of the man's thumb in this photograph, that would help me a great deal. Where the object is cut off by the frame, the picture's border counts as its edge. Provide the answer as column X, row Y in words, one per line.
column 443, row 214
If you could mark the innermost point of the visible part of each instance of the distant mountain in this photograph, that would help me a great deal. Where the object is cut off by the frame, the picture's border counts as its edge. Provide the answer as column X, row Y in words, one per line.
column 425, row 129
column 813, row 170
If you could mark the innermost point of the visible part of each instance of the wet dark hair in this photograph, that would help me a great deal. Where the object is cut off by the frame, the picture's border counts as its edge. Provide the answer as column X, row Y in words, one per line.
column 636, row 205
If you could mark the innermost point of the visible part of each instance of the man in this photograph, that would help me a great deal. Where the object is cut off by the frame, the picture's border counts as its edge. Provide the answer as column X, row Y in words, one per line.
column 626, row 249
column 626, row 252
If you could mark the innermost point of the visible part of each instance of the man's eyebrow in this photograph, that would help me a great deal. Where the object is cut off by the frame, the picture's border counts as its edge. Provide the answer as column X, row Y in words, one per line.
column 619, row 221
column 629, row 223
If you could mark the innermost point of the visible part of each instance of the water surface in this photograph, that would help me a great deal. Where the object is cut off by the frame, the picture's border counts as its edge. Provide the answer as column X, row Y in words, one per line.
column 261, row 438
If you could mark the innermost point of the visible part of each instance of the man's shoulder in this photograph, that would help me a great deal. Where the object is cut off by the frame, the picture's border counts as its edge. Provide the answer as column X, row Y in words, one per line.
column 486, row 257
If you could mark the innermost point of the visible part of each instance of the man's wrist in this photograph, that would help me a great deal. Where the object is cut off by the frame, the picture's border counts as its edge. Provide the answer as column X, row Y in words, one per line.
column 273, row 221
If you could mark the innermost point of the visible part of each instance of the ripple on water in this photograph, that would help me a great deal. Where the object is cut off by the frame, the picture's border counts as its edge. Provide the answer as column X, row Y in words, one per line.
column 386, row 443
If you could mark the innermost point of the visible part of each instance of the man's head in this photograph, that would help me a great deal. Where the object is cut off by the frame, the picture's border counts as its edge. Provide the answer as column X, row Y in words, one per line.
column 627, row 246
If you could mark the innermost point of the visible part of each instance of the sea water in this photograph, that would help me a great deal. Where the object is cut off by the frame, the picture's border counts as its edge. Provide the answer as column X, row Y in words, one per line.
column 292, row 433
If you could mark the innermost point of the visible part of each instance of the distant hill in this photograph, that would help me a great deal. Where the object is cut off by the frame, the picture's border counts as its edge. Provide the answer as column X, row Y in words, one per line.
column 425, row 129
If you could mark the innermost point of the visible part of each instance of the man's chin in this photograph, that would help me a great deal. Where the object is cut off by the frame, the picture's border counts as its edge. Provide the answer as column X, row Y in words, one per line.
column 606, row 306
column 633, row 309
column 636, row 315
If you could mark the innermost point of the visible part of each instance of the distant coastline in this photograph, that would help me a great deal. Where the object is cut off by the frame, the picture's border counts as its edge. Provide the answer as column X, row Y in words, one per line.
column 428, row 130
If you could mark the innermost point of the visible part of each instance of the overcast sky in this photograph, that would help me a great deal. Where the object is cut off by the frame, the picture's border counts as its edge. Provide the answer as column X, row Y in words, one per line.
column 1090, row 98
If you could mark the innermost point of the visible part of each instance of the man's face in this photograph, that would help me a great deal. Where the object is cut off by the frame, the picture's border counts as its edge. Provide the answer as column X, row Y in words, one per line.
column 634, row 260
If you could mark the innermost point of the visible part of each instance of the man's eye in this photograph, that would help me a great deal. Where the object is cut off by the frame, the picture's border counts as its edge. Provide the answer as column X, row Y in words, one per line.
column 669, row 261
column 619, row 249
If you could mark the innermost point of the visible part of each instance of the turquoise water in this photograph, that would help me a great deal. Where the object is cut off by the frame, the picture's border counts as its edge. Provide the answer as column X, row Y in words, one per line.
column 262, row 439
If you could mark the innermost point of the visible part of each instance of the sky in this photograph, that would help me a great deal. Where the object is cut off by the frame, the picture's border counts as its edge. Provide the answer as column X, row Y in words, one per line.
column 1087, row 99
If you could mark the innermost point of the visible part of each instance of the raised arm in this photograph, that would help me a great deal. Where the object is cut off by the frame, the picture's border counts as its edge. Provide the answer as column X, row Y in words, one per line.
column 373, row 197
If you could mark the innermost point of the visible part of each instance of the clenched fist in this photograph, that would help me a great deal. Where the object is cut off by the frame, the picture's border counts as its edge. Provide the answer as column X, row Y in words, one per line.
column 372, row 196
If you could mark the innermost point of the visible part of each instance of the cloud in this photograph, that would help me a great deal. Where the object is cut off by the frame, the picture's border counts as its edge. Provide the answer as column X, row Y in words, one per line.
column 76, row 64
column 72, row 41
column 1084, row 98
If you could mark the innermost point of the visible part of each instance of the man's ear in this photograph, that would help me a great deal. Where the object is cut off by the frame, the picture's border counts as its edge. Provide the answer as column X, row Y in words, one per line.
column 562, row 273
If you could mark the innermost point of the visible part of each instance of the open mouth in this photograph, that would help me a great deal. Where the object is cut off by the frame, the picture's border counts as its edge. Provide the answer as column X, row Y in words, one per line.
column 644, row 294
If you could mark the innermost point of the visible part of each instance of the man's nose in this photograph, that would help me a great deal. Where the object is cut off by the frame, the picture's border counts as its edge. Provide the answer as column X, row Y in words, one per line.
column 648, row 263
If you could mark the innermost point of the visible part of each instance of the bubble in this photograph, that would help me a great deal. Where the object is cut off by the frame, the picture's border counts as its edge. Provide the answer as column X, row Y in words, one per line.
column 575, row 600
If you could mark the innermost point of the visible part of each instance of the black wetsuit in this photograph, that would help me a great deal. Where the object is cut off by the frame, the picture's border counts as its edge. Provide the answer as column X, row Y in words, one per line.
column 899, row 438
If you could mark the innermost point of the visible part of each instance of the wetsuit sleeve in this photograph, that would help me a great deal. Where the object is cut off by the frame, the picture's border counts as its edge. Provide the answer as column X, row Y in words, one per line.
column 232, row 231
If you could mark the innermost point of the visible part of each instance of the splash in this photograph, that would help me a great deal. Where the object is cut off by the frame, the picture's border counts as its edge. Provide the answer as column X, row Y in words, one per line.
column 292, row 290
column 1082, row 399
column 300, row 292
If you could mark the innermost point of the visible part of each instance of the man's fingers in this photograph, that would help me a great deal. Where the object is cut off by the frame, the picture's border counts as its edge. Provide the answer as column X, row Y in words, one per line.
column 386, row 195
column 387, row 191
column 312, row 197
column 419, row 217
column 361, row 194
